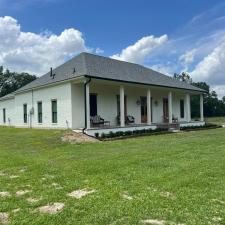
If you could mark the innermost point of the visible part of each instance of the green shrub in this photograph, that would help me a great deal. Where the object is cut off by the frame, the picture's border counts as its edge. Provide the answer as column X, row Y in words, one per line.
column 103, row 135
column 128, row 133
column 97, row 135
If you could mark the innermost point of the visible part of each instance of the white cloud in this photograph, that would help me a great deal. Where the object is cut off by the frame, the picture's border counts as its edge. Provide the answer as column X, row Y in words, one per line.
column 212, row 67
column 188, row 57
column 219, row 89
column 139, row 51
column 99, row 51
column 36, row 53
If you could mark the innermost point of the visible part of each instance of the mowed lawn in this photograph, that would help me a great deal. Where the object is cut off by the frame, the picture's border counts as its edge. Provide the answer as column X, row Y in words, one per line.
column 164, row 179
column 216, row 120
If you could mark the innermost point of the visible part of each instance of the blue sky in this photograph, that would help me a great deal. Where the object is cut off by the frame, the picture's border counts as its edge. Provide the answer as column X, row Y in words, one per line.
column 169, row 36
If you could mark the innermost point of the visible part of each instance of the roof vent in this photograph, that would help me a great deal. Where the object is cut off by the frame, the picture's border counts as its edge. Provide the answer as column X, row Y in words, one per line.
column 51, row 73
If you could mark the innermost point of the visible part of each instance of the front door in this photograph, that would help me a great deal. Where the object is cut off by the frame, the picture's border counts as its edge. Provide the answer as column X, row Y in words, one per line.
column 143, row 109
column 93, row 104
column 165, row 110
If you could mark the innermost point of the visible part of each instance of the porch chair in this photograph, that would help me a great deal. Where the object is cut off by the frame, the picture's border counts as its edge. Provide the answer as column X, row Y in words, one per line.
column 130, row 119
column 96, row 120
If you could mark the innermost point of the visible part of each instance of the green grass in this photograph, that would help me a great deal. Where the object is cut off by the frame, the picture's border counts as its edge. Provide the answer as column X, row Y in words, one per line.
column 216, row 120
column 178, row 178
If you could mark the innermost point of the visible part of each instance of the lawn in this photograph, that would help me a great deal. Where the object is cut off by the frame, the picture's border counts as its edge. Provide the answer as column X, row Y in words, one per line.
column 216, row 120
column 165, row 179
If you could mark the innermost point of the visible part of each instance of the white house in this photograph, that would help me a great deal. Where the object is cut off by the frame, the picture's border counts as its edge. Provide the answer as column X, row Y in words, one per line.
column 71, row 95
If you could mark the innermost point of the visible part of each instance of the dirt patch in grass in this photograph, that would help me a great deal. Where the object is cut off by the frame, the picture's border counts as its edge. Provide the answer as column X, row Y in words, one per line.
column 2, row 174
column 13, row 176
column 4, row 218
column 16, row 210
column 34, row 200
column 126, row 196
column 77, row 138
column 4, row 194
column 154, row 222
column 80, row 193
column 52, row 208
column 22, row 192
column 218, row 201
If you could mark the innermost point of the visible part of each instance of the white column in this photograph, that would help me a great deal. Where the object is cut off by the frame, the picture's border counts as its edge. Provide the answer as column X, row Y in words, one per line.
column 201, row 108
column 122, row 122
column 188, row 108
column 88, row 106
column 149, row 120
column 170, row 105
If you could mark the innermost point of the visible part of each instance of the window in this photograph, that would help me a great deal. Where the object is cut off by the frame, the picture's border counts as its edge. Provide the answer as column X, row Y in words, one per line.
column 54, row 111
column 93, row 104
column 181, row 108
column 39, row 106
column 25, row 113
column 4, row 116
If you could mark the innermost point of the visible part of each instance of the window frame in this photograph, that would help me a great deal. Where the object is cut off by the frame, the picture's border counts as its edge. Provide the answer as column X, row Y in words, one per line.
column 54, row 113
column 39, row 114
column 25, row 115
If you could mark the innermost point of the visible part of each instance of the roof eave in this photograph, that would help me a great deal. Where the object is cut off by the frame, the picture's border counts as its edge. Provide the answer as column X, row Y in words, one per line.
column 156, row 85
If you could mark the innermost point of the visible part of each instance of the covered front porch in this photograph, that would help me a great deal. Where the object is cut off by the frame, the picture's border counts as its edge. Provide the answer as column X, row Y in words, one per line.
column 119, row 106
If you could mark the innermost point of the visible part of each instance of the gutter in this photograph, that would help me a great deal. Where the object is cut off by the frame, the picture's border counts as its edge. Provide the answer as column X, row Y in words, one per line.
column 85, row 102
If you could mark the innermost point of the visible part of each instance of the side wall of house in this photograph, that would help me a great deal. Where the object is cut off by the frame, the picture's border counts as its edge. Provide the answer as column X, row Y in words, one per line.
column 61, row 93
column 9, row 106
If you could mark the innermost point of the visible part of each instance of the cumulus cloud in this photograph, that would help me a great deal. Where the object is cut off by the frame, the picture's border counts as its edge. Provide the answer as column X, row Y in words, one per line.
column 212, row 67
column 139, row 51
column 219, row 89
column 99, row 51
column 188, row 57
column 36, row 53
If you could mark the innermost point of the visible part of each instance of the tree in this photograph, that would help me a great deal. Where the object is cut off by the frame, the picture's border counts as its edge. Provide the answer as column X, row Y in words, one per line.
column 184, row 76
column 11, row 81
column 212, row 105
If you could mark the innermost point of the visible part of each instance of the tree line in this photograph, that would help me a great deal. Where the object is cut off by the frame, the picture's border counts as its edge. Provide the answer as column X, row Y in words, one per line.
column 213, row 106
column 11, row 81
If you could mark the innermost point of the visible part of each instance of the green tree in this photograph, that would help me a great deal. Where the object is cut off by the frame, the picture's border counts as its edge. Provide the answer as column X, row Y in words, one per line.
column 212, row 105
column 11, row 81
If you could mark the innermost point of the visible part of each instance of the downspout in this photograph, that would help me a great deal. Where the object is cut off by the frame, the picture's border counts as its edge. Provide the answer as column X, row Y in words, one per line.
column 85, row 102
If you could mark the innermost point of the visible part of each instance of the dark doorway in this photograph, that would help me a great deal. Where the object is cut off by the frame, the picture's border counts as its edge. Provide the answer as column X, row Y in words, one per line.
column 143, row 109
column 93, row 104
column 165, row 110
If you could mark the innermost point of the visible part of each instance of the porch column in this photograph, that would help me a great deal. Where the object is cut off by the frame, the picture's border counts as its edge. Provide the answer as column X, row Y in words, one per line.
column 170, row 105
column 88, row 106
column 149, row 120
column 201, row 108
column 188, row 108
column 122, row 123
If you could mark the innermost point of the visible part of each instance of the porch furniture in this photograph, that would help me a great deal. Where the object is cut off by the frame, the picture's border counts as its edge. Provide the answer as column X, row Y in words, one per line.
column 130, row 119
column 98, row 121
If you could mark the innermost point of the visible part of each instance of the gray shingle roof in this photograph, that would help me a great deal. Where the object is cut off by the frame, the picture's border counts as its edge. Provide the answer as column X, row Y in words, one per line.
column 86, row 64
